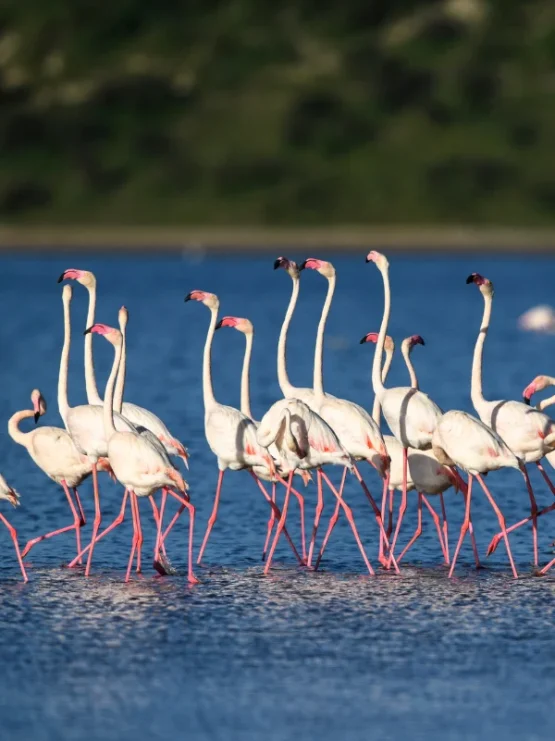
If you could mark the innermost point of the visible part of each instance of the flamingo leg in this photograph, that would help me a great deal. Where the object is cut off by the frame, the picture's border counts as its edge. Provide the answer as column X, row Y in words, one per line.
column 351, row 519
column 378, row 517
column 381, row 557
column 501, row 523
column 274, row 506
column 76, row 526
column 533, row 514
column 390, row 514
column 135, row 535
column 191, row 509
column 118, row 520
column 435, row 518
column 317, row 515
column 546, row 477
column 97, row 518
column 13, row 536
column 80, row 506
column 213, row 516
column 333, row 521
column 465, row 525
column 281, row 523
column 496, row 538
column 270, row 524
column 417, row 532
column 158, row 518
column 445, row 527
column 299, row 497
column 403, row 507
column 139, row 535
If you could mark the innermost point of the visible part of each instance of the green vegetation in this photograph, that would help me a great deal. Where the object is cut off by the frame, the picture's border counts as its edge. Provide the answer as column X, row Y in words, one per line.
column 277, row 112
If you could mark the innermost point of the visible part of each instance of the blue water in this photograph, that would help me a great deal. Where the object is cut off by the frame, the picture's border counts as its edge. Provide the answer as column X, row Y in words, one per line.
column 330, row 655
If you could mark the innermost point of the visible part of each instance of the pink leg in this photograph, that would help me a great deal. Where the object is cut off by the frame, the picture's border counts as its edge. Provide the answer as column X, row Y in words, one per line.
column 417, row 532
column 270, row 525
column 274, row 506
column 318, row 514
column 80, row 507
column 390, row 515
column 139, row 535
column 97, row 518
column 158, row 518
column 378, row 517
column 533, row 514
column 76, row 526
column 546, row 477
column 464, row 526
column 213, row 516
column 473, row 542
column 13, row 535
column 445, row 527
column 119, row 519
column 281, row 523
column 135, row 535
column 546, row 568
column 351, row 519
column 501, row 523
column 333, row 521
column 403, row 507
column 497, row 538
column 186, row 503
column 435, row 518
column 381, row 557
column 300, row 500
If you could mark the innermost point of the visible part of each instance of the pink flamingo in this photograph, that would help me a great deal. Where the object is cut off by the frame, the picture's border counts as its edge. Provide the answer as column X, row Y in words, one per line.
column 12, row 496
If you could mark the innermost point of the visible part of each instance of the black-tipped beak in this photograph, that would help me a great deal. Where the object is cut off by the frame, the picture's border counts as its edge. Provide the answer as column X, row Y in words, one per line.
column 422, row 341
column 188, row 297
column 36, row 417
column 302, row 266
column 62, row 276
column 470, row 279
column 368, row 259
column 526, row 400
column 88, row 330
column 277, row 263
column 363, row 340
column 219, row 324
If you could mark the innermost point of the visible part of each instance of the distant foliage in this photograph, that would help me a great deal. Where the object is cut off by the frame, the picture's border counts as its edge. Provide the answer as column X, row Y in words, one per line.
column 259, row 112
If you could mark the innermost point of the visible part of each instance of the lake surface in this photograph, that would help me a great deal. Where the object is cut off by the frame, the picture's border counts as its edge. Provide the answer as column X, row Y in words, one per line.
column 328, row 655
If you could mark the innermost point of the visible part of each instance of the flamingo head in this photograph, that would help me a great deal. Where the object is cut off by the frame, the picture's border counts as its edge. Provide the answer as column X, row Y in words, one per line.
column 410, row 342
column 538, row 384
column 321, row 266
column 39, row 404
column 6, row 492
column 389, row 345
column 288, row 265
column 123, row 317
column 112, row 334
column 378, row 258
column 238, row 323
column 208, row 299
column 84, row 277
column 484, row 284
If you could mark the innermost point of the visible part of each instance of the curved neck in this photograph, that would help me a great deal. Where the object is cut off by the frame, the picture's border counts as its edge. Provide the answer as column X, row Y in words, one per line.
column 63, row 404
column 207, row 389
column 13, row 426
column 476, row 393
column 376, row 409
column 120, row 383
column 318, row 379
column 377, row 364
column 406, row 349
column 109, row 427
column 93, row 396
column 283, row 379
column 544, row 403
column 245, row 387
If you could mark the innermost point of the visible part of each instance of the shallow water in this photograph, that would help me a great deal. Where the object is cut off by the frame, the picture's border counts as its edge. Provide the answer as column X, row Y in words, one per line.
column 242, row 656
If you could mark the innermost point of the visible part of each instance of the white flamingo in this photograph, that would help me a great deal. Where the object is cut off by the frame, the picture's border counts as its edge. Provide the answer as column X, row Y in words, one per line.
column 84, row 423
column 464, row 441
column 304, row 440
column 54, row 452
column 231, row 435
column 530, row 434
column 411, row 415
column 139, row 416
column 12, row 496
column 139, row 462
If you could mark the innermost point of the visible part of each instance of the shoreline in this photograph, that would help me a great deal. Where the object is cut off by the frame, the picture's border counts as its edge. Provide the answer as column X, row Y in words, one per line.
column 249, row 239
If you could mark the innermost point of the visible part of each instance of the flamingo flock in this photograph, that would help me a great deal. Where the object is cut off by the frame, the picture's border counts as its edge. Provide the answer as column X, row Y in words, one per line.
column 428, row 451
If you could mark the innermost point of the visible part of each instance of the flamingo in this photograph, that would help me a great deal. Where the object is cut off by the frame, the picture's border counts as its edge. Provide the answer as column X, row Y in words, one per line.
column 231, row 435
column 424, row 472
column 137, row 415
column 411, row 415
column 464, row 441
column 139, row 462
column 529, row 433
column 304, row 440
column 12, row 496
column 245, row 326
column 54, row 452
column 84, row 423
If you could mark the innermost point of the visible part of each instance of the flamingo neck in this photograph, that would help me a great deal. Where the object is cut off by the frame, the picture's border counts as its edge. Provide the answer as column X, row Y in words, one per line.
column 406, row 350
column 377, row 408
column 544, row 403
column 245, row 385
column 63, row 404
column 109, row 426
column 20, row 437
column 476, row 393
column 207, row 388
column 377, row 384
column 93, row 397
column 283, row 379
column 318, row 379
column 120, row 383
